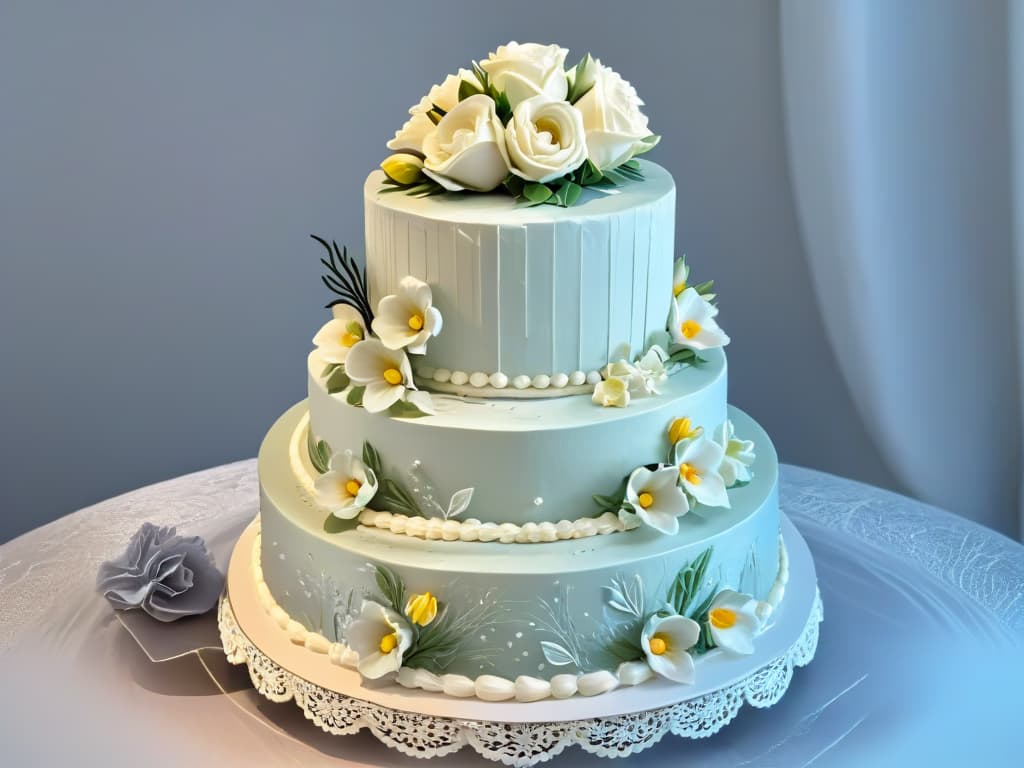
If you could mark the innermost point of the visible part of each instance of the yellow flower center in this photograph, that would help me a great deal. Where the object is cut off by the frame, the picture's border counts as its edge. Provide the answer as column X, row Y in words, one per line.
column 393, row 376
column 388, row 643
column 550, row 127
column 681, row 429
column 659, row 644
column 679, row 287
column 690, row 328
column 645, row 500
column 722, row 618
column 689, row 473
column 349, row 339
column 416, row 322
column 352, row 487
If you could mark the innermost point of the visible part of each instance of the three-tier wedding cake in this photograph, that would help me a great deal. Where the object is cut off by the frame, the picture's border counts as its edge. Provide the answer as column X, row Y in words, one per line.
column 516, row 475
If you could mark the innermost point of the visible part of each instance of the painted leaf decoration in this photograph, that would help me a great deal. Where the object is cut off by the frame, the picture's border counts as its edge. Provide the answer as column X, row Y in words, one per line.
column 459, row 502
column 556, row 654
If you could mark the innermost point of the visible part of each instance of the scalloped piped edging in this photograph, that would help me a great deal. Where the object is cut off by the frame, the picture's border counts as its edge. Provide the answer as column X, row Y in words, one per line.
column 518, row 744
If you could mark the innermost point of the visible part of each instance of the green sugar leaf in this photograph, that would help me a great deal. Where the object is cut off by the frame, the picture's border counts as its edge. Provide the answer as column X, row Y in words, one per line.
column 335, row 524
column 536, row 193
column 337, row 380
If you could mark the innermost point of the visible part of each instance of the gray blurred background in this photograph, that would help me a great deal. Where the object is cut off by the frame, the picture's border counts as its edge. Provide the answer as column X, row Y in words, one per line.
column 162, row 165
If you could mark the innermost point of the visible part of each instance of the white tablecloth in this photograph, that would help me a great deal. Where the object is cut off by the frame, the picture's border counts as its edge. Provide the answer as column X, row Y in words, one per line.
column 919, row 660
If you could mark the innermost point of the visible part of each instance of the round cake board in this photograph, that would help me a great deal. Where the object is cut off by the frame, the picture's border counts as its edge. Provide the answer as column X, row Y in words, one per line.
column 790, row 625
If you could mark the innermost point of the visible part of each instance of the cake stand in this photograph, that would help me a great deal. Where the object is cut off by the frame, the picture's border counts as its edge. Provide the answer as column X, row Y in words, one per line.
column 614, row 724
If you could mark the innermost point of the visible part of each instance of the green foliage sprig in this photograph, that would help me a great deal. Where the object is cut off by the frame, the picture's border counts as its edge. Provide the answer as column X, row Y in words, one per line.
column 345, row 278
column 391, row 494
column 688, row 584
column 502, row 107
column 566, row 190
column 612, row 502
column 319, row 452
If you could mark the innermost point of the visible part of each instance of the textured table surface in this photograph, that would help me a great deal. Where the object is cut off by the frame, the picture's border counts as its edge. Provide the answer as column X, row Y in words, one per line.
column 919, row 658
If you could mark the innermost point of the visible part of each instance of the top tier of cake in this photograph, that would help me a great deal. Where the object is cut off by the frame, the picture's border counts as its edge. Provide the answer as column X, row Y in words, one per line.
column 529, row 291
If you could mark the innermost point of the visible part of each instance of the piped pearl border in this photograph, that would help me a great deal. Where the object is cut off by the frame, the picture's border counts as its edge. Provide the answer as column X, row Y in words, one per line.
column 489, row 687
column 434, row 528
column 470, row 529
column 501, row 385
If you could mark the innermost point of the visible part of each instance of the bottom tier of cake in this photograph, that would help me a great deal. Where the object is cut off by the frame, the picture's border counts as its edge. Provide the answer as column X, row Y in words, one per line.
column 462, row 611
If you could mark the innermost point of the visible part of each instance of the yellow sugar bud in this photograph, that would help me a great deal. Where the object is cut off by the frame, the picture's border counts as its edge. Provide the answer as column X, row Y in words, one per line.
column 404, row 169
column 682, row 429
column 421, row 609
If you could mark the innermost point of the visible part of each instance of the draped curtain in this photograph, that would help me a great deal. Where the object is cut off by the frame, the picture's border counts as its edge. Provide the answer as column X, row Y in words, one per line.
column 905, row 138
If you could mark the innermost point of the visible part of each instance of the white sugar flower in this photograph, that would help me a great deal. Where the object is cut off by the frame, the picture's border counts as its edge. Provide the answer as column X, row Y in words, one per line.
column 650, row 371
column 656, row 498
column 545, row 139
column 384, row 372
column 616, row 128
column 467, row 148
column 346, row 487
column 739, row 455
column 407, row 318
column 445, row 96
column 734, row 622
column 666, row 642
column 340, row 334
column 697, row 462
column 692, row 322
column 380, row 637
column 528, row 69
column 613, row 392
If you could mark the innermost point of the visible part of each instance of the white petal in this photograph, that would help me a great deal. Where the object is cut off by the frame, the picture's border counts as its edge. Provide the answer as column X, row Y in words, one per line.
column 379, row 396
column 710, row 491
column 330, row 490
column 368, row 360
column 658, row 519
column 421, row 400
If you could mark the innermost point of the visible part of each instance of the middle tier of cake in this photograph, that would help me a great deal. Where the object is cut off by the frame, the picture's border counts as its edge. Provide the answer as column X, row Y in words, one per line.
column 534, row 609
column 527, row 461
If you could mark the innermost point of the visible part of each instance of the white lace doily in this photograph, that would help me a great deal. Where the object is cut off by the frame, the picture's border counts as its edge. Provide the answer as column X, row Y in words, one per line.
column 518, row 744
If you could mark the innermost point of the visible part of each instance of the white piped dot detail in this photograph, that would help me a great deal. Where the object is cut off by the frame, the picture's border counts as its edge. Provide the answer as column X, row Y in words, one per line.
column 498, row 380
column 442, row 375
column 459, row 378
column 478, row 379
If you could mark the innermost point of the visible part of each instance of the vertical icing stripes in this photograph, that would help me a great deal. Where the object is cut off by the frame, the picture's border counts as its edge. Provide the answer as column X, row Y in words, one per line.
column 554, row 309
column 519, row 303
column 580, row 294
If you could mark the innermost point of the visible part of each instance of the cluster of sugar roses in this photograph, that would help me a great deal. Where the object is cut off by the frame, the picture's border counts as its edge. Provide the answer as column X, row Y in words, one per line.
column 374, row 367
column 519, row 120
column 699, row 470
column 691, row 329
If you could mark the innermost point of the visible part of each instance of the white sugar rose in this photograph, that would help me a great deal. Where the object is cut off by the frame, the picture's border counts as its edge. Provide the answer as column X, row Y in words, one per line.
column 467, row 149
column 616, row 129
column 444, row 95
column 545, row 139
column 527, row 70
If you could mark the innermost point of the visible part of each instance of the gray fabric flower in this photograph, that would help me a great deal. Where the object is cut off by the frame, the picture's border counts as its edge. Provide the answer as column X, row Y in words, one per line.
column 166, row 575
